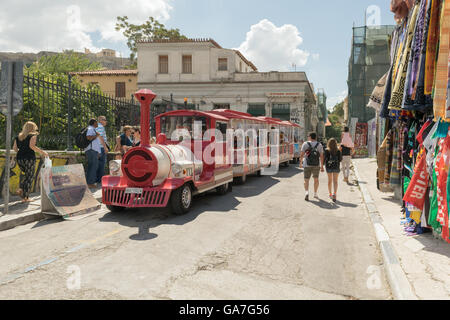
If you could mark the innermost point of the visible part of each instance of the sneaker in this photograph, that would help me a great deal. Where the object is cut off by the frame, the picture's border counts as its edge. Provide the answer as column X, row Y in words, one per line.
column 307, row 197
column 334, row 198
column 316, row 196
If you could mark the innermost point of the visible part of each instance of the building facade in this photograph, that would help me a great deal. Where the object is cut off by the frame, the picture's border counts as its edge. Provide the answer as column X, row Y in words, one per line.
column 115, row 83
column 211, row 77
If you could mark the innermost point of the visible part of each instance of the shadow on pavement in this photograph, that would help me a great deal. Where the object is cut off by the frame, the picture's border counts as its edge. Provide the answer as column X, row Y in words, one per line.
column 147, row 218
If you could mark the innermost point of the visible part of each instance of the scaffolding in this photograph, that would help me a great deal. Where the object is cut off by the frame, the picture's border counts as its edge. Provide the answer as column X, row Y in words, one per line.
column 369, row 61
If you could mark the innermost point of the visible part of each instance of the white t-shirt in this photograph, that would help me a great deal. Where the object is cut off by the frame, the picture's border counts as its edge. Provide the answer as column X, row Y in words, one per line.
column 95, row 144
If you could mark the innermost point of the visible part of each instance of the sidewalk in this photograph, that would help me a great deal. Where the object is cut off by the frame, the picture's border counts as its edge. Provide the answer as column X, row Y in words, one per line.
column 424, row 259
column 21, row 214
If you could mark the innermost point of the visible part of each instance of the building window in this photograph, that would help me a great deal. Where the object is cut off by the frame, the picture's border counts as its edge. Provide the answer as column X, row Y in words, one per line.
column 223, row 64
column 120, row 90
column 221, row 106
column 281, row 111
column 164, row 64
column 257, row 109
column 187, row 64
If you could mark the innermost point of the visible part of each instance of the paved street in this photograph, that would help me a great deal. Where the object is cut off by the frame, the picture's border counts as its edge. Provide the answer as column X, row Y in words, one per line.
column 262, row 241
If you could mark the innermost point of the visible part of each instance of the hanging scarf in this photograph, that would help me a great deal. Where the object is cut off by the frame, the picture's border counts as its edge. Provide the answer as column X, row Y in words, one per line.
column 418, row 186
column 377, row 95
column 442, row 68
column 414, row 58
column 394, row 179
column 400, row 76
column 388, row 159
column 432, row 42
column 442, row 172
column 384, row 113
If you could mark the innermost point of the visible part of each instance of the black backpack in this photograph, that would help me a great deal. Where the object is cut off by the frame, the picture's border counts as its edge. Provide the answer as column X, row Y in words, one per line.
column 313, row 157
column 333, row 161
column 81, row 140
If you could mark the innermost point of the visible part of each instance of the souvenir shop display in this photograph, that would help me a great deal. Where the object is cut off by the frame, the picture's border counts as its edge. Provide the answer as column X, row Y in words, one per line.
column 413, row 99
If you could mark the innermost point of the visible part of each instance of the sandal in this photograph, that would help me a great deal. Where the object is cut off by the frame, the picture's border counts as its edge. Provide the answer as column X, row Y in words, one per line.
column 19, row 192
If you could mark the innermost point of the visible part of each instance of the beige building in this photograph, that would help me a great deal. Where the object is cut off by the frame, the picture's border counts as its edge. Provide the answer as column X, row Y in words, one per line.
column 212, row 77
column 115, row 83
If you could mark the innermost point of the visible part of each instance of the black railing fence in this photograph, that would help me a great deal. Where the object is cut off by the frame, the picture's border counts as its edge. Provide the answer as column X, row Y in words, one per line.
column 61, row 108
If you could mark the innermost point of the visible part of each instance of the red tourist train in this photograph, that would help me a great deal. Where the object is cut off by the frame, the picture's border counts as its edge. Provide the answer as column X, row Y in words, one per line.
column 194, row 154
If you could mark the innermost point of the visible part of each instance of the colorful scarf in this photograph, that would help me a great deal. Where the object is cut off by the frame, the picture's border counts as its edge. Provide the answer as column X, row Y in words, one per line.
column 388, row 158
column 432, row 42
column 414, row 59
column 400, row 76
column 442, row 68
column 395, row 172
column 442, row 172
column 418, row 186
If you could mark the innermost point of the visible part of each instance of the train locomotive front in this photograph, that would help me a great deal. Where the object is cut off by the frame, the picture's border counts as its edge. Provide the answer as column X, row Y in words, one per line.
column 157, row 175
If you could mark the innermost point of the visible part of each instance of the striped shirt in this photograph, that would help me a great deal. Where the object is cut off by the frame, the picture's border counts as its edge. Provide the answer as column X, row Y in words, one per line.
column 101, row 130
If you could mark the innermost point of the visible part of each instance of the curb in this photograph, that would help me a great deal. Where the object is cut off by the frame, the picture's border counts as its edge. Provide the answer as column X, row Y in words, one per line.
column 398, row 281
column 13, row 221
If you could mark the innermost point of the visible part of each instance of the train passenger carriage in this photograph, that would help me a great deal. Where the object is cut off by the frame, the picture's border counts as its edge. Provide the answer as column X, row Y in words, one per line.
column 247, row 151
column 286, row 146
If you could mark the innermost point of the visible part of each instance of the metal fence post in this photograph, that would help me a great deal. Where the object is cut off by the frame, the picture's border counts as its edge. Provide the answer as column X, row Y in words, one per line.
column 69, row 115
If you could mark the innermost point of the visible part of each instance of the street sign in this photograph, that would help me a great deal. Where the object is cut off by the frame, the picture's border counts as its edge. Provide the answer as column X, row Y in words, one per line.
column 17, row 69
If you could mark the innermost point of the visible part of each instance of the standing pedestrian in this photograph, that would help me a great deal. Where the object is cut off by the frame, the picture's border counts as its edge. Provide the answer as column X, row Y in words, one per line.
column 124, row 141
column 313, row 163
column 102, row 123
column 93, row 153
column 25, row 147
column 136, row 136
column 347, row 146
column 333, row 159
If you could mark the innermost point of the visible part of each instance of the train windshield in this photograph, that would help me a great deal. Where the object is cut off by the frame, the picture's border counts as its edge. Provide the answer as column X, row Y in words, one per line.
column 175, row 126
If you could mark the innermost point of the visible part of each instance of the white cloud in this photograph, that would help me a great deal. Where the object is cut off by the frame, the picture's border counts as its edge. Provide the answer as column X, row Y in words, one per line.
column 32, row 26
column 273, row 48
column 331, row 102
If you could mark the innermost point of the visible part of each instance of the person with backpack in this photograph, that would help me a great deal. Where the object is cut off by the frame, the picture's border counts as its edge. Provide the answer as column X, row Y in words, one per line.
column 333, row 159
column 93, row 152
column 312, row 163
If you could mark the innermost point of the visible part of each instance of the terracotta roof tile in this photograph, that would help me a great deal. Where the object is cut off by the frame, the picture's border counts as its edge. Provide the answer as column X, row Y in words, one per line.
column 124, row 72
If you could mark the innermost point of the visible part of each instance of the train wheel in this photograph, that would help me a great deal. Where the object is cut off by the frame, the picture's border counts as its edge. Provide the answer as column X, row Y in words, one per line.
column 181, row 200
column 242, row 179
column 258, row 173
column 115, row 208
column 223, row 189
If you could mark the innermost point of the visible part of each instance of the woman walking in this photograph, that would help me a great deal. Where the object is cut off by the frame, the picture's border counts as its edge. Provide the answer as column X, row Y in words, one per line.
column 333, row 159
column 25, row 146
column 347, row 146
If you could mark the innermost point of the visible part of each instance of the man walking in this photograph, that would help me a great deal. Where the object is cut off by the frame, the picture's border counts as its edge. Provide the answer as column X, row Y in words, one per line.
column 312, row 163
column 92, row 152
column 102, row 122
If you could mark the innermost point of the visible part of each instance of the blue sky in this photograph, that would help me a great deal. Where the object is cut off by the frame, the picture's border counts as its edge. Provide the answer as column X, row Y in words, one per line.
column 315, row 35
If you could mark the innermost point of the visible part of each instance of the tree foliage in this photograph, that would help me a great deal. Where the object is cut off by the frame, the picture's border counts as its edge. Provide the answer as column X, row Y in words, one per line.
column 150, row 29
column 63, row 63
column 336, row 118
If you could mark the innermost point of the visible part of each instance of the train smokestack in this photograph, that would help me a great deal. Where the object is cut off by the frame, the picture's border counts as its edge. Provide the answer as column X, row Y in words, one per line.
column 145, row 97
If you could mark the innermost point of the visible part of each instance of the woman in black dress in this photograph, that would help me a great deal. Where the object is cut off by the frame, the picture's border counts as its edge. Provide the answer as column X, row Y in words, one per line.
column 333, row 159
column 25, row 146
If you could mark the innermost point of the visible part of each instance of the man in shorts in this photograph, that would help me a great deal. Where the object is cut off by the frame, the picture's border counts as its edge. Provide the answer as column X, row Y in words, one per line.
column 313, row 163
